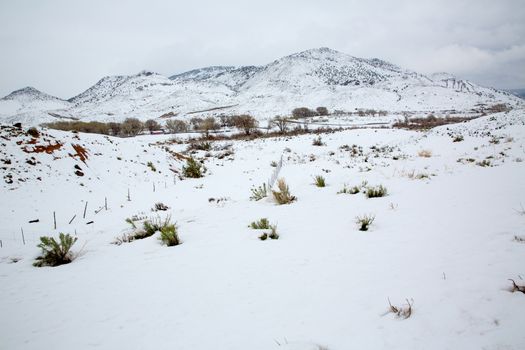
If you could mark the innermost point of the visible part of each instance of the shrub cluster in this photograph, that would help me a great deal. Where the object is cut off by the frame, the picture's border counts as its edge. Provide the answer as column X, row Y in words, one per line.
column 193, row 169
column 55, row 253
column 375, row 192
column 364, row 222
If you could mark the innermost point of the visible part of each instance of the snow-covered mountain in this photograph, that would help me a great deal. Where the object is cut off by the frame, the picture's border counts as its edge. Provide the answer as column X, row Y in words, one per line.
column 316, row 77
column 28, row 105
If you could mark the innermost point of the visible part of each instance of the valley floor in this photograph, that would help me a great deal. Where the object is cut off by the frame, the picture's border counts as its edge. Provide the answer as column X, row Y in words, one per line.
column 446, row 238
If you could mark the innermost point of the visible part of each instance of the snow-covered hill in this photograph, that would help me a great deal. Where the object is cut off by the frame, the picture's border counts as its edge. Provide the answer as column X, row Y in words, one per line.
column 29, row 105
column 312, row 78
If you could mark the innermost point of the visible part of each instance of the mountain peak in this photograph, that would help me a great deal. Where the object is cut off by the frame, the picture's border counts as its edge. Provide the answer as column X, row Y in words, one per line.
column 29, row 92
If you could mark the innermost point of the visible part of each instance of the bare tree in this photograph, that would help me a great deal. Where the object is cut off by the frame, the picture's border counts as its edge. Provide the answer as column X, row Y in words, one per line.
column 303, row 112
column 280, row 122
column 207, row 125
column 245, row 122
column 176, row 125
column 132, row 127
column 152, row 125
column 322, row 110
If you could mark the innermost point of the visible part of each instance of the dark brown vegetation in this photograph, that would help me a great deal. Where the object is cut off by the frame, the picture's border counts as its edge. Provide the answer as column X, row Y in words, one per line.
column 429, row 122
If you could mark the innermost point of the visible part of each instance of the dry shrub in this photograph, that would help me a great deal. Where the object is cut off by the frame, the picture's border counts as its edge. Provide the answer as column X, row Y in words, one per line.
column 283, row 195
column 404, row 311
column 517, row 288
column 425, row 153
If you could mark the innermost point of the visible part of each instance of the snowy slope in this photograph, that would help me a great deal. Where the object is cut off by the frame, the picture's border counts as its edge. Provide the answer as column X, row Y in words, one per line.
column 443, row 238
column 29, row 104
column 312, row 78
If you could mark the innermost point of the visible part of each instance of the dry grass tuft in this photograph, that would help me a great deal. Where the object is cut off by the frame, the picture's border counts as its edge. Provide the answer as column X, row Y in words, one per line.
column 425, row 153
column 283, row 195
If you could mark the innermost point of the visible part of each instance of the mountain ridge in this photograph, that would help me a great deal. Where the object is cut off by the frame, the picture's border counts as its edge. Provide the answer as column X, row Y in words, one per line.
column 314, row 77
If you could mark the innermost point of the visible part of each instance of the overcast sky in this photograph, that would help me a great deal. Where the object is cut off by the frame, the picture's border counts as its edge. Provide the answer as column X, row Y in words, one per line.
column 62, row 47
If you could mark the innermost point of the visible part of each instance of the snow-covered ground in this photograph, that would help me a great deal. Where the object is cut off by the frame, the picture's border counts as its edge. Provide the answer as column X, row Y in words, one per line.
column 444, row 238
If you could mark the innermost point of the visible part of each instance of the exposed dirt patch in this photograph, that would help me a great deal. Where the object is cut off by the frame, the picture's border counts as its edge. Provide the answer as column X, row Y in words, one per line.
column 49, row 149
column 81, row 153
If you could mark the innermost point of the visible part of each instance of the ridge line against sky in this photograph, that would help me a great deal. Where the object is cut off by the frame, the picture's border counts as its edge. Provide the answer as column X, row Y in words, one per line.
column 62, row 47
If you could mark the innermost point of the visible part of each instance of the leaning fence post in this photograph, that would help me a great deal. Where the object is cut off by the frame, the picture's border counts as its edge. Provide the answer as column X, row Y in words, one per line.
column 1, row 243
column 23, row 238
column 85, row 208
column 106, row 202
column 73, row 218
column 55, row 220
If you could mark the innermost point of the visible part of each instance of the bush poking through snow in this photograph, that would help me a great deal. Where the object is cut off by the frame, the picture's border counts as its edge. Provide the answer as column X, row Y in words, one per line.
column 425, row 153
column 33, row 132
column 169, row 235
column 364, row 222
column 192, row 169
column 55, row 253
column 273, row 232
column 349, row 190
column 160, row 207
column 404, row 311
column 375, row 192
column 149, row 228
column 318, row 141
column 261, row 224
column 517, row 288
column 152, row 167
column 320, row 181
column 259, row 193
column 519, row 239
column 283, row 196
column 484, row 163
column 457, row 138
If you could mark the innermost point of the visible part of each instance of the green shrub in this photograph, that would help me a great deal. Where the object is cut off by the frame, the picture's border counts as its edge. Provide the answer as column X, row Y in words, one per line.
column 364, row 222
column 259, row 193
column 273, row 232
column 320, row 181
column 193, row 169
column 349, row 190
column 152, row 167
column 55, row 253
column 374, row 192
column 149, row 228
column 263, row 237
column 169, row 235
column 261, row 224
column 283, row 196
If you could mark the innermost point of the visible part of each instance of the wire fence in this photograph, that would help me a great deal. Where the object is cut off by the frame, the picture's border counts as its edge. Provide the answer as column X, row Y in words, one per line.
column 275, row 173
